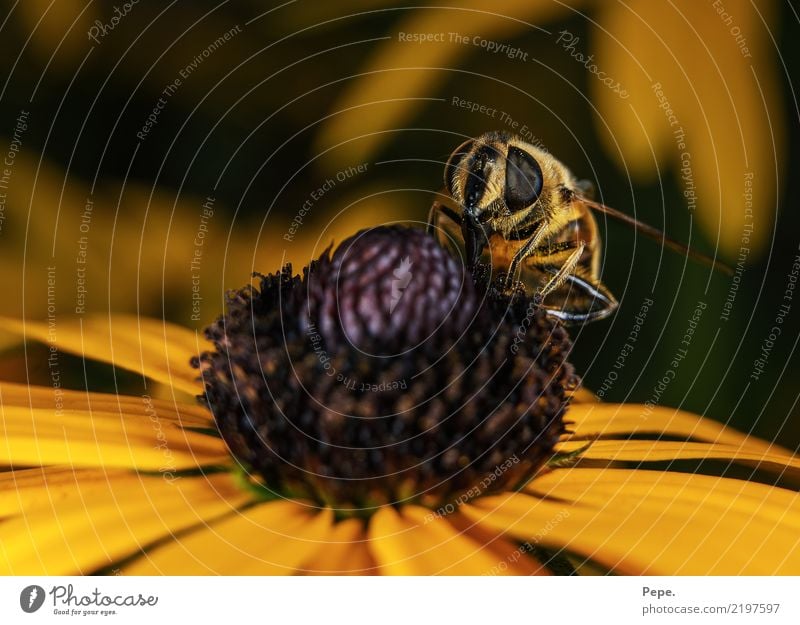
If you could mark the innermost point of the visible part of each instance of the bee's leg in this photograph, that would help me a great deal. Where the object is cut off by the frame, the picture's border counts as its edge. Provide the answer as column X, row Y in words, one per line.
column 567, row 269
column 474, row 240
column 596, row 301
column 436, row 208
column 523, row 253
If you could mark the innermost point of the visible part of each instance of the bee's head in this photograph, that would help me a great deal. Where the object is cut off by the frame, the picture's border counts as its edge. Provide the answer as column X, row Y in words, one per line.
column 494, row 176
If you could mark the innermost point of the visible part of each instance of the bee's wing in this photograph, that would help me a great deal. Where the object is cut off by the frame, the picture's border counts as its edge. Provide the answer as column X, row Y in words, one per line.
column 580, row 299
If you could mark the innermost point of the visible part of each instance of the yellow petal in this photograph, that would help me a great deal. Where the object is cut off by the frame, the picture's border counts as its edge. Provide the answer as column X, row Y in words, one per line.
column 652, row 451
column 416, row 542
column 593, row 486
column 156, row 349
column 345, row 553
column 28, row 489
column 582, row 395
column 187, row 414
column 590, row 420
column 651, row 522
column 103, row 439
column 269, row 539
column 726, row 118
column 83, row 533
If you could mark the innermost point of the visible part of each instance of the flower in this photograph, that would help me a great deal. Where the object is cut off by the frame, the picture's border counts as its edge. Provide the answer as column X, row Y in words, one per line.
column 479, row 465
column 336, row 389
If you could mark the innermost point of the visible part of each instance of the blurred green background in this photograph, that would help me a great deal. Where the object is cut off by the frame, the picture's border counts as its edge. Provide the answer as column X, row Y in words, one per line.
column 253, row 107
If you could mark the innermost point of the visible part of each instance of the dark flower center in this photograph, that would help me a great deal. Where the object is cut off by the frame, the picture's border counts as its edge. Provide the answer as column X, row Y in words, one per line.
column 386, row 374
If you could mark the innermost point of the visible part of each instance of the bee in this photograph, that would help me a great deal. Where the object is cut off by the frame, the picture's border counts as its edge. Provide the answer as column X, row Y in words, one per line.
column 513, row 200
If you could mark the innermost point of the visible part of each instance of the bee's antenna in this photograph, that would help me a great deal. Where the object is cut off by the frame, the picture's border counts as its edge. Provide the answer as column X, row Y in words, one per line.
column 656, row 234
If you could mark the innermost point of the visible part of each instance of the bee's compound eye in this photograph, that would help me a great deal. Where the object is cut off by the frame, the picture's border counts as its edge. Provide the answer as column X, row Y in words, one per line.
column 456, row 168
column 523, row 179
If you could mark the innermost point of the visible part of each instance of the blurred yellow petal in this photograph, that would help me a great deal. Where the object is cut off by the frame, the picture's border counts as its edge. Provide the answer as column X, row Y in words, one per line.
column 653, row 451
column 591, row 420
column 400, row 77
column 719, row 82
column 136, row 256
column 346, row 552
column 415, row 542
column 61, row 25
column 269, row 539
column 633, row 128
column 157, row 349
column 651, row 522
column 122, row 251
column 82, row 534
